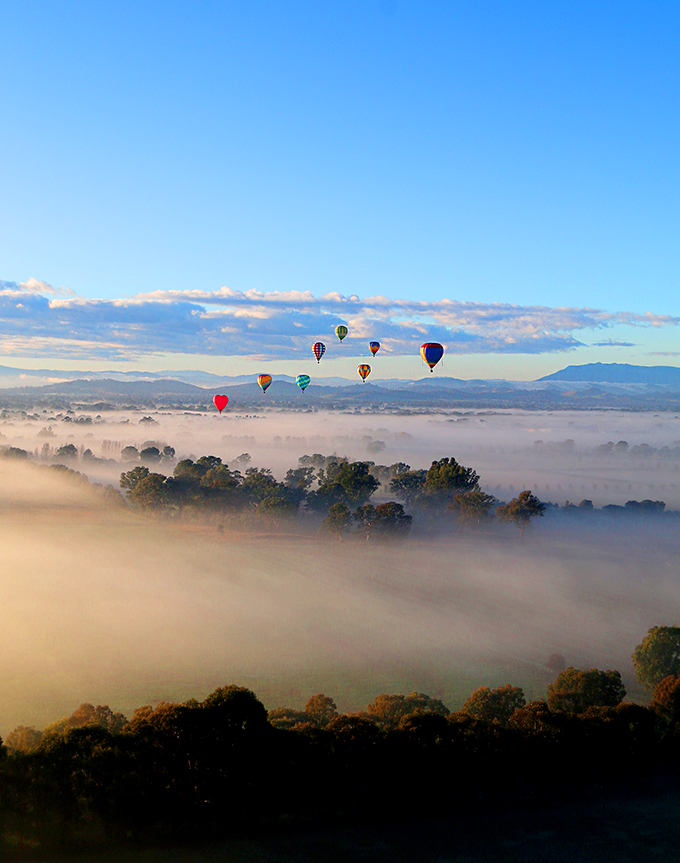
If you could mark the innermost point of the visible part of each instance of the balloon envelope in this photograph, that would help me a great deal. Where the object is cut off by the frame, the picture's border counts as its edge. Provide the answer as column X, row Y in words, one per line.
column 318, row 349
column 341, row 331
column 374, row 347
column 364, row 371
column 264, row 381
column 431, row 352
column 220, row 402
column 302, row 381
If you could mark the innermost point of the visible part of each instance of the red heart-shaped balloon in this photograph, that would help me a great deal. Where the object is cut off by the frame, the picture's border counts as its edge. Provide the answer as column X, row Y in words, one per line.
column 220, row 402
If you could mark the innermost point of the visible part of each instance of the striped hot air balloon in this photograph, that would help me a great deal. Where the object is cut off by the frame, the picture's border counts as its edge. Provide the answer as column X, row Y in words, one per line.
column 341, row 331
column 303, row 381
column 431, row 352
column 364, row 371
column 374, row 347
column 318, row 349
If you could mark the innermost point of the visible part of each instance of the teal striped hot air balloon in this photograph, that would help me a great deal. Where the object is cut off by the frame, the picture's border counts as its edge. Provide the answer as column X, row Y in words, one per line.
column 302, row 381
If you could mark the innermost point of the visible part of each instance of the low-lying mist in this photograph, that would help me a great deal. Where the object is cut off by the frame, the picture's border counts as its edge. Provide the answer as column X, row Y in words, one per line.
column 603, row 456
column 109, row 606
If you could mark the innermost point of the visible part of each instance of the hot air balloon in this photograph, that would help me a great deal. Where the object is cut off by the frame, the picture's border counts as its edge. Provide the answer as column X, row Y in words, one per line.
column 341, row 331
column 364, row 371
column 220, row 402
column 431, row 352
column 264, row 381
column 302, row 381
column 374, row 347
column 318, row 349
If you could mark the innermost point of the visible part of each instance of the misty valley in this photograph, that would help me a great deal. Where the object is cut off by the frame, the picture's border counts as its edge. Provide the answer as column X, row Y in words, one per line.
column 199, row 608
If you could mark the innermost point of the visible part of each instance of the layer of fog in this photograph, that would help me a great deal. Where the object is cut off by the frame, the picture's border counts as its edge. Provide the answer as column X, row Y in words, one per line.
column 554, row 454
column 112, row 607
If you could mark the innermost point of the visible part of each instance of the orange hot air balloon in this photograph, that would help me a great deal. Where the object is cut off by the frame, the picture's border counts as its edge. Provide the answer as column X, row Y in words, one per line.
column 220, row 402
column 364, row 371
column 374, row 347
column 264, row 381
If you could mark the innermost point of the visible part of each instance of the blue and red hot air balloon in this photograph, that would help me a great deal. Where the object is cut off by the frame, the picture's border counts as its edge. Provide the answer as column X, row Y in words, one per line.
column 431, row 352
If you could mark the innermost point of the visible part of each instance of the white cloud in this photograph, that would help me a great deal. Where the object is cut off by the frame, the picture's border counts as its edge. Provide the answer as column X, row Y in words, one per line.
column 33, row 286
column 43, row 321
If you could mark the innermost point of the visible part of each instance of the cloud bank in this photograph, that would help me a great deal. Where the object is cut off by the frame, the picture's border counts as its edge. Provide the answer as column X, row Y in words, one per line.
column 39, row 320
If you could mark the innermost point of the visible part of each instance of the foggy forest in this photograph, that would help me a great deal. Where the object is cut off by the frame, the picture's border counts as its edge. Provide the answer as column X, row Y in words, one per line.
column 467, row 588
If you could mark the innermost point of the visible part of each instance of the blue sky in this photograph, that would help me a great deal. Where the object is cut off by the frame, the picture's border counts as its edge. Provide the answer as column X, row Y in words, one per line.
column 214, row 185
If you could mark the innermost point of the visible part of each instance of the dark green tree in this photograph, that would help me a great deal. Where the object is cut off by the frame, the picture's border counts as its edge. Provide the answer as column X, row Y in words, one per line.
column 68, row 450
column 665, row 700
column 338, row 520
column 658, row 655
column 219, row 487
column 575, row 691
column 151, row 492
column 391, row 522
column 388, row 710
column 23, row 739
column 185, row 485
column 384, row 522
column 300, row 478
column 316, row 461
column 446, row 478
column 499, row 704
column 473, row 509
column 282, row 503
column 150, row 455
column 326, row 496
column 15, row 452
column 364, row 517
column 520, row 511
column 356, row 481
column 321, row 710
column 102, row 715
column 408, row 486
column 207, row 462
column 238, row 707
column 328, row 471
column 129, row 479
column 257, row 485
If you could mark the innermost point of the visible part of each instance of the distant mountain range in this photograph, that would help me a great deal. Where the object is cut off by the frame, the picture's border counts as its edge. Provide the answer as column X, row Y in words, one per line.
column 618, row 373
column 595, row 385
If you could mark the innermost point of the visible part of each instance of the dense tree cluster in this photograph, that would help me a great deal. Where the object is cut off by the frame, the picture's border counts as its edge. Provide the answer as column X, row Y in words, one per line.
column 330, row 488
column 213, row 767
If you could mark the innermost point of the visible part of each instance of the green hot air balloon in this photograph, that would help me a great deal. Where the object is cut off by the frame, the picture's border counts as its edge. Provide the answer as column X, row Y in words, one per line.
column 302, row 381
column 341, row 331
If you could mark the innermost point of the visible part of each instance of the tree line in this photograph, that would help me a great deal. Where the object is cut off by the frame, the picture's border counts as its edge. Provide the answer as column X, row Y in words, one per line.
column 332, row 491
column 223, row 765
column 333, row 487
